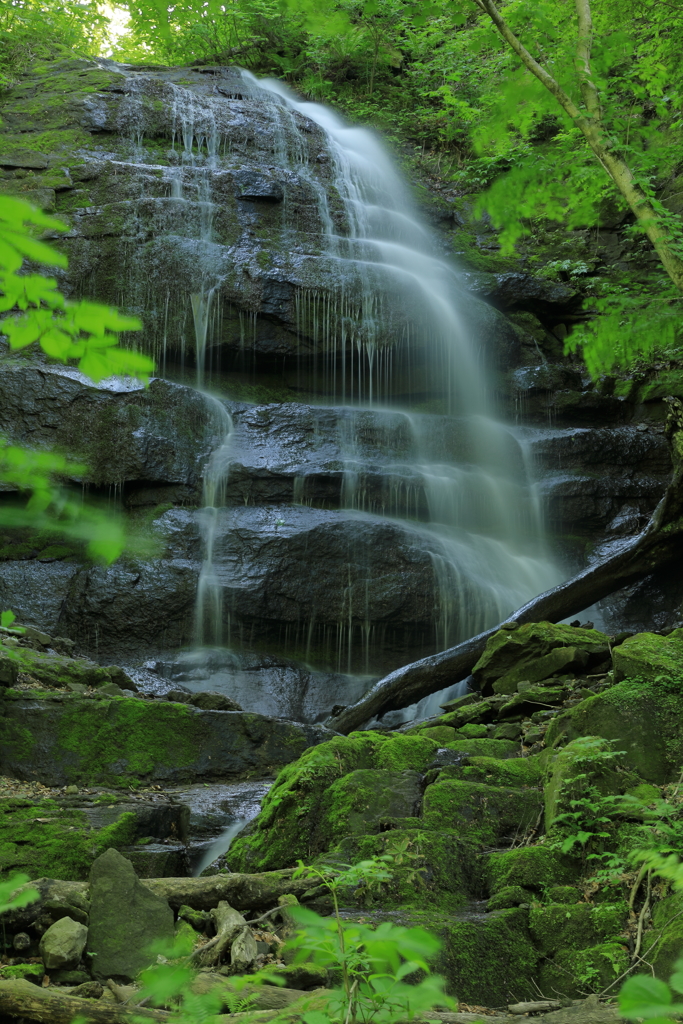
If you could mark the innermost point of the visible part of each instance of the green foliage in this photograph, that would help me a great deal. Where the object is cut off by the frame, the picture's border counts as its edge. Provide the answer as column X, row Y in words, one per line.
column 32, row 29
column 10, row 899
column 645, row 998
column 66, row 331
column 376, row 964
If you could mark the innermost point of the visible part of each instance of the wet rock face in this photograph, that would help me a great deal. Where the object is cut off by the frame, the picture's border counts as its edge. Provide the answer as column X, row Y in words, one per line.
column 125, row 434
column 208, row 204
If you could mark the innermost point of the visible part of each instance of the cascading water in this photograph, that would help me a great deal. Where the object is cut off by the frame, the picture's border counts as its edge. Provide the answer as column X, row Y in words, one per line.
column 381, row 329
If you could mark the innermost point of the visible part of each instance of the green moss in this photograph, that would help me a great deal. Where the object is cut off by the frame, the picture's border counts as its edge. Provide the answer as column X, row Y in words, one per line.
column 587, row 761
column 472, row 731
column 533, row 867
column 484, row 814
column 563, row 894
column 442, row 734
column 362, row 802
column 561, row 926
column 47, row 839
column 509, row 650
column 509, row 896
column 31, row 972
column 514, row 771
column 429, row 868
column 402, row 752
column 290, row 812
column 648, row 656
column 486, row 748
column 641, row 717
column 115, row 740
column 62, row 141
column 572, row 972
column 15, row 739
column 489, row 959
column 663, row 944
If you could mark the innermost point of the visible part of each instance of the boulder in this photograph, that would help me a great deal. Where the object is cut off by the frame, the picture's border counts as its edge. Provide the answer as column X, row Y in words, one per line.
column 648, row 656
column 333, row 791
column 561, row 659
column 516, row 650
column 62, row 945
column 126, row 920
column 126, row 434
column 587, row 761
column 641, row 717
column 111, row 740
column 663, row 944
column 484, row 815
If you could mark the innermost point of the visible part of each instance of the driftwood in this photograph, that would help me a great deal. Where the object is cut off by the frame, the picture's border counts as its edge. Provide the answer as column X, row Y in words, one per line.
column 539, row 1006
column 660, row 543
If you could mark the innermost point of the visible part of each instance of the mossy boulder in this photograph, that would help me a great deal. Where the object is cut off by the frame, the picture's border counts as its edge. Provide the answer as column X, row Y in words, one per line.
column 513, row 771
column 663, row 945
column 62, row 739
column 642, row 718
column 300, row 818
column 517, row 650
column 366, row 800
column 485, row 747
column 650, row 657
column 489, row 958
column 532, row 867
column 54, row 670
column 560, row 926
column 42, row 838
column 509, row 896
column 586, row 761
column 436, row 869
column 485, row 815
column 534, row 670
column 571, row 972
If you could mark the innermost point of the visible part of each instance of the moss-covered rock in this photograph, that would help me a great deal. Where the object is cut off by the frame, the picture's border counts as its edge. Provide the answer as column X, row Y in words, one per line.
column 44, row 838
column 560, row 926
column 485, row 747
column 513, row 771
column 299, row 817
column 516, row 650
column 485, row 814
column 533, row 670
column 509, row 896
column 572, row 973
column 54, row 670
column 429, row 868
column 364, row 801
column 532, row 867
column 641, row 717
column 490, row 958
column 60, row 739
column 649, row 656
column 586, row 761
column 663, row 945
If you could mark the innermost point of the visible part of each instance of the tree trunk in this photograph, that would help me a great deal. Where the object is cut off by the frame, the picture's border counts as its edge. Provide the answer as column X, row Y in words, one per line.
column 660, row 543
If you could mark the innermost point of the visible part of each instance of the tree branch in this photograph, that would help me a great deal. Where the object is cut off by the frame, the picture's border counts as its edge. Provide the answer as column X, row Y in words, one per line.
column 584, row 44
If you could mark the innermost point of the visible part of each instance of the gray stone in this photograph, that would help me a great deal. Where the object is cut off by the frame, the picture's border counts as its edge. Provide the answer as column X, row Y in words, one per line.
column 62, row 945
column 126, row 919
column 8, row 670
column 124, row 434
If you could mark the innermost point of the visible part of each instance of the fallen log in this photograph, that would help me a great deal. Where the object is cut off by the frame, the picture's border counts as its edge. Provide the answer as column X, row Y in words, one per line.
column 660, row 543
column 243, row 892
column 21, row 998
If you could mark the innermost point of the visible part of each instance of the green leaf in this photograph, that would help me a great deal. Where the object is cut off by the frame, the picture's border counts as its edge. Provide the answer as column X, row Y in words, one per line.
column 7, row 618
column 643, row 996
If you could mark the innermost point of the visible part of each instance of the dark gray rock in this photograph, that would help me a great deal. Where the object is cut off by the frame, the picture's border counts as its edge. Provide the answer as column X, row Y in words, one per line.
column 517, row 291
column 126, row 919
column 125, row 434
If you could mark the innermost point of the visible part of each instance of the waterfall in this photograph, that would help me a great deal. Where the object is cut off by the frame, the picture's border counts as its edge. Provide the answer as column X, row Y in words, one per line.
column 382, row 349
